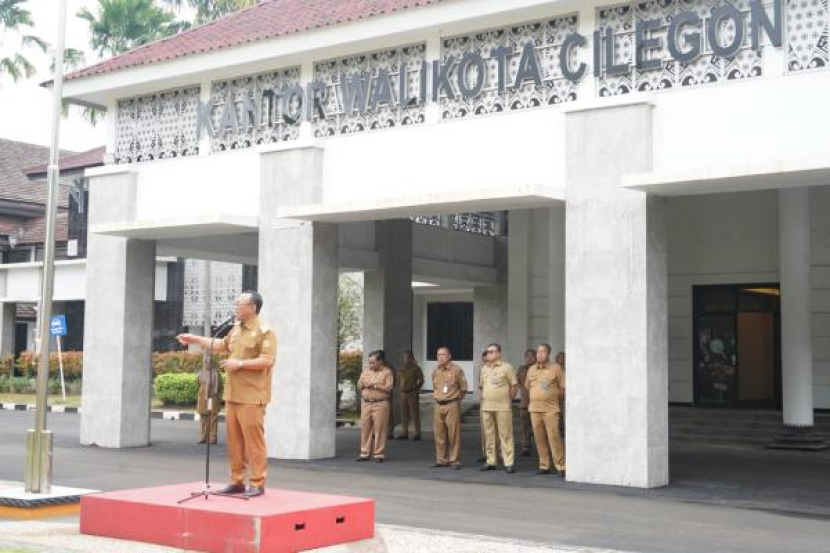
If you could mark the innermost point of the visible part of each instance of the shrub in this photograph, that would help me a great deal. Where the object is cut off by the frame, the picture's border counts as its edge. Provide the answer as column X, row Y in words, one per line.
column 178, row 362
column 350, row 366
column 6, row 365
column 73, row 362
column 20, row 385
column 177, row 389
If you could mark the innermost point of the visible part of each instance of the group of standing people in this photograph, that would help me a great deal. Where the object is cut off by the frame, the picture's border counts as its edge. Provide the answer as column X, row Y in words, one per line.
column 540, row 383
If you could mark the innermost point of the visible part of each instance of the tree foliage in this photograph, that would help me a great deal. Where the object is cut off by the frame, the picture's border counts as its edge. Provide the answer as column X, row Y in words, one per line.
column 349, row 312
column 118, row 26
column 15, row 21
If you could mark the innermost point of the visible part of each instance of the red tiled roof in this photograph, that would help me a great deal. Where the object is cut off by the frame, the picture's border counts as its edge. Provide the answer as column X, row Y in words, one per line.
column 14, row 185
column 269, row 19
column 34, row 230
column 81, row 160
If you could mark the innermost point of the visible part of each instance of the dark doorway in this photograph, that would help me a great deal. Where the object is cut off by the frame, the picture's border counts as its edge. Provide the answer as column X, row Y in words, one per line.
column 737, row 345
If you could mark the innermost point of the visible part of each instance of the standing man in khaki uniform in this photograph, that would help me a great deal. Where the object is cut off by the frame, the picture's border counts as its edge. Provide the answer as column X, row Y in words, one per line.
column 449, row 386
column 252, row 348
column 375, row 388
column 546, row 383
column 410, row 380
column 208, row 403
column 524, row 401
column 498, row 386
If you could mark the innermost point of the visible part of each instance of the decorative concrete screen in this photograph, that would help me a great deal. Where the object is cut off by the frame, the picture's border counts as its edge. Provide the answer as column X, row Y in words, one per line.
column 547, row 37
column 157, row 126
column 357, row 90
column 807, row 34
column 261, row 111
column 225, row 286
column 484, row 222
column 707, row 67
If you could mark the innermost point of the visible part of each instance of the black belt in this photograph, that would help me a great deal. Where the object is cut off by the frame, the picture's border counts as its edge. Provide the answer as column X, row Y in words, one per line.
column 445, row 401
column 375, row 400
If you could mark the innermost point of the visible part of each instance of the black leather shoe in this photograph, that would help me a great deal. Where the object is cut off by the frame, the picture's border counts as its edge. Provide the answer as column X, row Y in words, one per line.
column 487, row 467
column 378, row 459
column 509, row 470
column 456, row 467
column 540, row 472
column 416, row 439
column 233, row 488
column 200, row 442
column 361, row 459
column 438, row 466
column 402, row 438
column 560, row 473
column 254, row 491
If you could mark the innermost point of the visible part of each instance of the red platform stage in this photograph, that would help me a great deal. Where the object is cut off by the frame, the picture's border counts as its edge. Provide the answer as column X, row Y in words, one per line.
column 279, row 521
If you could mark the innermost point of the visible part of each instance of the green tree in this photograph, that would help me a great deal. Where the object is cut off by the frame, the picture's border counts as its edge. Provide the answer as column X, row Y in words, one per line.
column 15, row 19
column 349, row 311
column 208, row 10
column 118, row 26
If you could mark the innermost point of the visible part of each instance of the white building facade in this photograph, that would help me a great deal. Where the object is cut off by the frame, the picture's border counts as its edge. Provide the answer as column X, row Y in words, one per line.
column 659, row 170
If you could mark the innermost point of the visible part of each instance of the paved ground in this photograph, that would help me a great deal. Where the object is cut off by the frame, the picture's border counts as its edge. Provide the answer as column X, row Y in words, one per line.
column 721, row 499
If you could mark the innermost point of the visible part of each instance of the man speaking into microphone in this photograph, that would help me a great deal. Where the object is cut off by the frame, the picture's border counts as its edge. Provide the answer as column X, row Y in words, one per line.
column 251, row 346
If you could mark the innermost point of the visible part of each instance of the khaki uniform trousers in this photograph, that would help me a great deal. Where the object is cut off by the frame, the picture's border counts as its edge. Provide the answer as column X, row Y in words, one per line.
column 548, row 440
column 410, row 410
column 527, row 429
column 246, row 442
column 374, row 425
column 447, row 427
column 209, row 418
column 498, row 426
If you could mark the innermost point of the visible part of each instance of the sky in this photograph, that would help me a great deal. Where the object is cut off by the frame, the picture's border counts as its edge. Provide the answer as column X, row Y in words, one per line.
column 25, row 106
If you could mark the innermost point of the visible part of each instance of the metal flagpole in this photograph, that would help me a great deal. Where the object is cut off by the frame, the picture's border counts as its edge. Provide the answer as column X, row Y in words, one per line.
column 39, row 440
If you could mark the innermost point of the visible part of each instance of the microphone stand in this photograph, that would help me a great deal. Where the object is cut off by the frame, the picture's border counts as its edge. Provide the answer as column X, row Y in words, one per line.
column 211, row 385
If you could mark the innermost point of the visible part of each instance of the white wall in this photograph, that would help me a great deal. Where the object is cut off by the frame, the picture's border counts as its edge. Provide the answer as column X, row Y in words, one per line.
column 733, row 239
column 22, row 281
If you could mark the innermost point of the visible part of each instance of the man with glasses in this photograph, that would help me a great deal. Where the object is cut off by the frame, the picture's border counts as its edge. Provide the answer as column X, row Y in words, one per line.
column 498, row 385
column 252, row 347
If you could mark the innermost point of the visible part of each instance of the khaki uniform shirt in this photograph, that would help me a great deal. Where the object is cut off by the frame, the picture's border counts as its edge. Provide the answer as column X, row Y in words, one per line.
column 382, row 378
column 521, row 376
column 448, row 383
column 495, row 381
column 547, row 386
column 410, row 378
column 249, row 341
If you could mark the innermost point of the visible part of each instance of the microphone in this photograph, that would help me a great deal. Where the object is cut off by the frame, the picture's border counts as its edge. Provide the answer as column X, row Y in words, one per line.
column 224, row 324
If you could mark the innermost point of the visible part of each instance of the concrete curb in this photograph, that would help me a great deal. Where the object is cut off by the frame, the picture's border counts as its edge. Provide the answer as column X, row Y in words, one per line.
column 155, row 414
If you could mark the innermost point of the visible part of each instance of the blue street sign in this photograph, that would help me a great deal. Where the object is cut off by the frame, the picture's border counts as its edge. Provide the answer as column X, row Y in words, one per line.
column 58, row 326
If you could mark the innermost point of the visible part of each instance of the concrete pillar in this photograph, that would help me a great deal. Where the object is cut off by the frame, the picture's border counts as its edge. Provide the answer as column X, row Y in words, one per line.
column 796, row 326
column 518, row 286
column 490, row 313
column 556, row 282
column 615, row 304
column 118, row 323
column 387, row 296
column 298, row 281
column 7, row 311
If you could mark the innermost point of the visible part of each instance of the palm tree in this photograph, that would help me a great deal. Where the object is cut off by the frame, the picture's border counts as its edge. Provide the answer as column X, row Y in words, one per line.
column 15, row 18
column 121, row 25
column 208, row 10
